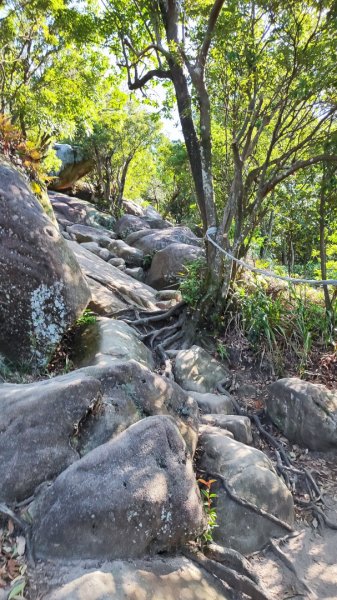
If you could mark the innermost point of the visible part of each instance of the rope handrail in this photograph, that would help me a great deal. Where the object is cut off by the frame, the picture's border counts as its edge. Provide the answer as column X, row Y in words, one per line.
column 317, row 282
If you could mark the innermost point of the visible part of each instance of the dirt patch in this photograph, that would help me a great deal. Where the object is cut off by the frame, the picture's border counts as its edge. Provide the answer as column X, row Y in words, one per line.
column 313, row 553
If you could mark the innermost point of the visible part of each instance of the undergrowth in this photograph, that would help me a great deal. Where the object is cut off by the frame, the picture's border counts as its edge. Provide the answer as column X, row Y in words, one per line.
column 210, row 510
column 192, row 282
column 282, row 324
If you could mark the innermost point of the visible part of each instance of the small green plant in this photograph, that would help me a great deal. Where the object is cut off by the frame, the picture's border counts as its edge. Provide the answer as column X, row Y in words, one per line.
column 192, row 282
column 210, row 510
column 222, row 351
column 282, row 322
column 147, row 260
column 86, row 318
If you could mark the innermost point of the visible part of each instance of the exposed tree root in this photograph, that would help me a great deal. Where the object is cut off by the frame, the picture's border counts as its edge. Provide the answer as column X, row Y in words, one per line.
column 285, row 466
column 319, row 512
column 155, row 317
column 246, row 504
column 6, row 511
column 161, row 340
column 288, row 563
column 232, row 559
column 236, row 580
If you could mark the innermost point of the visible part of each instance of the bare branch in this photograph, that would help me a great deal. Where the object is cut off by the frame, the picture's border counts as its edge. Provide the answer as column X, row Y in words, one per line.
column 148, row 48
column 139, row 83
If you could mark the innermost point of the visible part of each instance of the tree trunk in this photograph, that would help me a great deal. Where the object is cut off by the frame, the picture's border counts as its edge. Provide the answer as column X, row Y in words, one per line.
column 99, row 171
column 322, row 249
column 121, row 186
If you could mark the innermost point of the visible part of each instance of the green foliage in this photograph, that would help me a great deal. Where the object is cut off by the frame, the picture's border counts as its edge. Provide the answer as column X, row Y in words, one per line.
column 51, row 67
column 87, row 318
column 210, row 510
column 18, row 589
column 193, row 282
column 282, row 322
column 222, row 350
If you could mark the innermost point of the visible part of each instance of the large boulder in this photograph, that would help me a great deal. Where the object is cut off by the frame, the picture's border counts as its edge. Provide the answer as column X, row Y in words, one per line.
column 42, row 288
column 86, row 233
column 132, row 238
column 132, row 496
column 103, row 301
column 132, row 208
column 157, row 240
column 171, row 264
column 154, row 219
column 196, row 370
column 129, row 291
column 239, row 426
column 218, row 404
column 128, row 224
column 73, row 210
column 93, row 247
column 133, row 256
column 38, row 426
column 159, row 578
column 250, row 475
column 74, row 165
column 305, row 412
column 131, row 392
column 109, row 340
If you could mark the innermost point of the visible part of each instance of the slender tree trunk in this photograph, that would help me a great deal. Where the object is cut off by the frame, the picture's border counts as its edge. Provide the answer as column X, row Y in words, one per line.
column 99, row 171
column 322, row 248
column 121, row 186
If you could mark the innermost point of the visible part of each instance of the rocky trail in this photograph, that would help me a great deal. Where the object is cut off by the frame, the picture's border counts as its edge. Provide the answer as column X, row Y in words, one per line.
column 99, row 496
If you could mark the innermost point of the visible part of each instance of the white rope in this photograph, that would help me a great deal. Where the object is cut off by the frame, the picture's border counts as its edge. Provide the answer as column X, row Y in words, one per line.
column 317, row 282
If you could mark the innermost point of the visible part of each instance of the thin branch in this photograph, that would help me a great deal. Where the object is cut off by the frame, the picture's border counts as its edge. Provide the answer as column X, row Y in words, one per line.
column 140, row 82
column 212, row 20
column 296, row 166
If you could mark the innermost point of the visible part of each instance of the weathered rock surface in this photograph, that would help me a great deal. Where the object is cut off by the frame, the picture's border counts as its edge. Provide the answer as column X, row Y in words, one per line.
column 109, row 340
column 137, row 235
column 239, row 426
column 74, row 166
column 42, row 289
column 214, row 403
column 157, row 240
column 132, row 496
column 132, row 256
column 173, row 578
column 131, row 392
column 119, row 263
column 196, row 370
column 79, row 211
column 154, row 219
column 128, row 224
column 37, row 424
column 170, row 264
column 87, row 233
column 305, row 412
column 136, row 273
column 128, row 290
column 93, row 247
column 250, row 474
column 132, row 208
column 103, row 301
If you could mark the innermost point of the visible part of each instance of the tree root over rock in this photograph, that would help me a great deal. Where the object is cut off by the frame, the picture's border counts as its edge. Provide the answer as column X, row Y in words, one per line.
column 160, row 331
column 275, row 547
column 246, row 504
column 234, row 574
column 286, row 468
